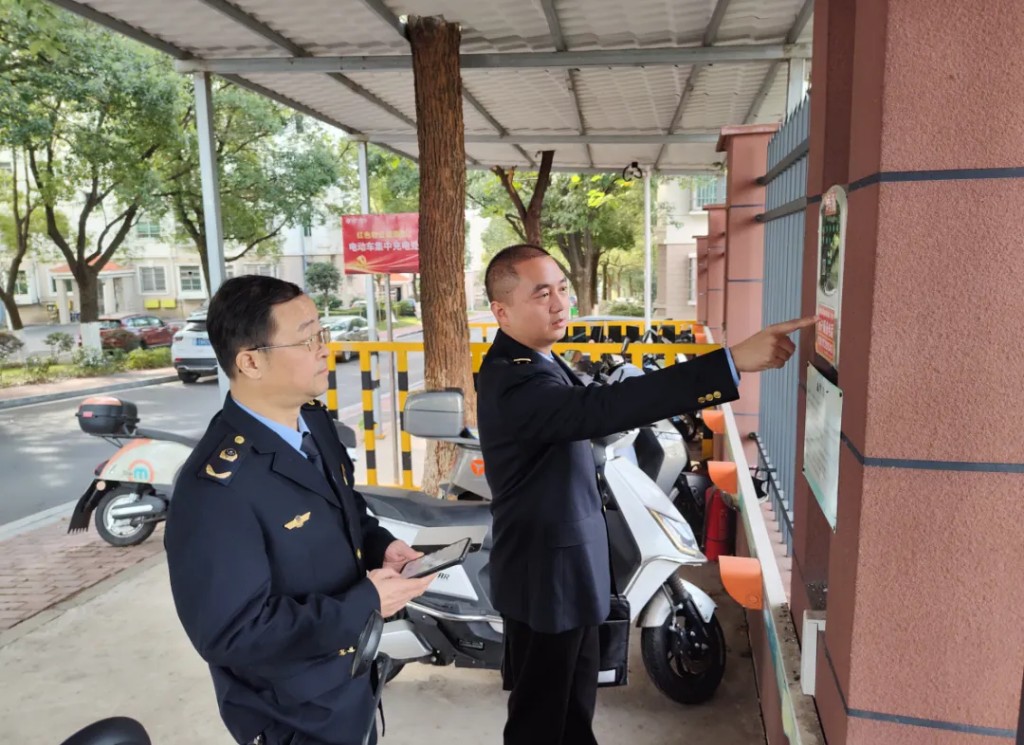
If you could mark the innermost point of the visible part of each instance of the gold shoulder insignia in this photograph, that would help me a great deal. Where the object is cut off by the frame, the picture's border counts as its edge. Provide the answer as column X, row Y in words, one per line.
column 223, row 463
column 297, row 522
column 522, row 361
column 315, row 403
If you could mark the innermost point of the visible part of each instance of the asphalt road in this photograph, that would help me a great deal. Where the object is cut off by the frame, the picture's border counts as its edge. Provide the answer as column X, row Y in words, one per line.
column 46, row 460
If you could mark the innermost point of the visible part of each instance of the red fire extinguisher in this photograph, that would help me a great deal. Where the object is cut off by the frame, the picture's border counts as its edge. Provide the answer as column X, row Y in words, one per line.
column 719, row 525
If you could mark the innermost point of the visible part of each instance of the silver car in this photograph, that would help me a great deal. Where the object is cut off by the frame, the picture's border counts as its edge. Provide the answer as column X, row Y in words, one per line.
column 349, row 328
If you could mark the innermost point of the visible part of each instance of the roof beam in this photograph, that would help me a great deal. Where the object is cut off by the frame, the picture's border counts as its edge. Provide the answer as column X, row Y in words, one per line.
column 734, row 54
column 122, row 28
column 799, row 24
column 256, row 26
column 502, row 132
column 710, row 37
column 558, row 41
column 559, row 139
column 677, row 171
column 711, row 32
column 384, row 13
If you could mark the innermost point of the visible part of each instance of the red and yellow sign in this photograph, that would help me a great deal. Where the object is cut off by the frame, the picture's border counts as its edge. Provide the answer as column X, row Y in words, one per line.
column 381, row 244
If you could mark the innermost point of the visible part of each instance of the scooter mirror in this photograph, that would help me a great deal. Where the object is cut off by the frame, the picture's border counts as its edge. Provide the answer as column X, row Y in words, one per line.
column 625, row 346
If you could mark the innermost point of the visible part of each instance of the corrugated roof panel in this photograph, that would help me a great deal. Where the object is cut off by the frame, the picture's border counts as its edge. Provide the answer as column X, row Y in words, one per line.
column 488, row 25
column 722, row 95
column 617, row 157
column 686, row 156
column 332, row 99
column 759, row 20
column 498, row 155
column 632, row 99
column 524, row 100
column 189, row 25
column 610, row 24
column 328, row 27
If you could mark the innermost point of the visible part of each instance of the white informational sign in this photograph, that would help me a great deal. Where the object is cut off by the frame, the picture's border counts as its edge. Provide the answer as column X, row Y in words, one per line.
column 822, row 441
column 831, row 256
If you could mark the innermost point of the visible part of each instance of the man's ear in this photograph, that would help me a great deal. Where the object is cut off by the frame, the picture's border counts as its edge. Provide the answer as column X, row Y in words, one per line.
column 499, row 312
column 249, row 364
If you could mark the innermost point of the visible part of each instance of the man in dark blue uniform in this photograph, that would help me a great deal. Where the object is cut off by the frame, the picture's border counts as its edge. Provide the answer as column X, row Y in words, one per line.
column 275, row 566
column 549, row 562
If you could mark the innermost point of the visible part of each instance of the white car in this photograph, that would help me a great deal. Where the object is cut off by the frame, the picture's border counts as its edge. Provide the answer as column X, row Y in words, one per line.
column 348, row 328
column 191, row 352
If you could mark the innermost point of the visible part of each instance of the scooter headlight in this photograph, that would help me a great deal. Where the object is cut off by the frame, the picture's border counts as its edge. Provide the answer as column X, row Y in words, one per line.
column 679, row 532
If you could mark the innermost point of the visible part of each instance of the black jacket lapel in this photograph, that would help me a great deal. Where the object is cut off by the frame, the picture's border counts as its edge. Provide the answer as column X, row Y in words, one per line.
column 287, row 460
column 329, row 449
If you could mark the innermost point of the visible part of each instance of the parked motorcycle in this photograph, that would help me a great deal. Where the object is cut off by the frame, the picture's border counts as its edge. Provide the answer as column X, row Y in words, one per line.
column 131, row 491
column 682, row 643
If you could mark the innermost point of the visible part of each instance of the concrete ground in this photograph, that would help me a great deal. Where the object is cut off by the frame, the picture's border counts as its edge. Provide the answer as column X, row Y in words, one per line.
column 119, row 650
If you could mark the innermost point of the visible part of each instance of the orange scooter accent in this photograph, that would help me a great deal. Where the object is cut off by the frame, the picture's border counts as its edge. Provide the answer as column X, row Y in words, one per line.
column 741, row 578
column 715, row 420
column 723, row 475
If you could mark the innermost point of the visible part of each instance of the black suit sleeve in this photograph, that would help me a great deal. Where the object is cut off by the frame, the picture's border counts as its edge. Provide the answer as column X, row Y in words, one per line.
column 221, row 579
column 541, row 407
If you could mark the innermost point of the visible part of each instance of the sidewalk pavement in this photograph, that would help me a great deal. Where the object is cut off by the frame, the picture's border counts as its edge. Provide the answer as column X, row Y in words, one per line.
column 22, row 395
column 123, row 652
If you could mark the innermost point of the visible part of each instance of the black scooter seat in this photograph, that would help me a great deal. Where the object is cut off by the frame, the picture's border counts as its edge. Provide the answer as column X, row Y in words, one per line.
column 421, row 509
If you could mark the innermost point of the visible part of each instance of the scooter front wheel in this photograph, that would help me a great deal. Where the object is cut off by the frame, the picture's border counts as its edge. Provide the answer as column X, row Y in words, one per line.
column 686, row 669
column 120, row 533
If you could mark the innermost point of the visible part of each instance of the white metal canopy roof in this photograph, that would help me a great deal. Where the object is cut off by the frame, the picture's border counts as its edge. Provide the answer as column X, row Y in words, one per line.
column 601, row 82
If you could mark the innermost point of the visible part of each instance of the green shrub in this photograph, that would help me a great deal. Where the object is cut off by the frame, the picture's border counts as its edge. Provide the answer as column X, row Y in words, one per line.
column 626, row 308
column 37, row 369
column 90, row 362
column 59, row 341
column 405, row 308
column 149, row 359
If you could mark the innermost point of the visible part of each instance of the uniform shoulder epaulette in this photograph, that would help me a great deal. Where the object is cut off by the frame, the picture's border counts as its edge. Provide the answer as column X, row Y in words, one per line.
column 521, row 360
column 223, row 463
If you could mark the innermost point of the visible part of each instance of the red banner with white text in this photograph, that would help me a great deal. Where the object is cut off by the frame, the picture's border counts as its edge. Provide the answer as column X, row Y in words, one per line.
column 381, row 244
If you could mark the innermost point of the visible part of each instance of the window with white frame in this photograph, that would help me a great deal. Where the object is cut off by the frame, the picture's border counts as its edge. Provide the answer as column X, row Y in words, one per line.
column 229, row 271
column 21, row 283
column 707, row 191
column 693, row 279
column 264, row 270
column 148, row 227
column 153, row 279
column 191, row 278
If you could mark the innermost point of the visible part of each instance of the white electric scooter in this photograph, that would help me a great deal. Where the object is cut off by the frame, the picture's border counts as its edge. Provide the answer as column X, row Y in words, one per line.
column 682, row 643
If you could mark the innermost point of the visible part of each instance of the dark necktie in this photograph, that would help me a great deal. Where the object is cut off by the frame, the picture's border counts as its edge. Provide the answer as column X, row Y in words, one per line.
column 312, row 451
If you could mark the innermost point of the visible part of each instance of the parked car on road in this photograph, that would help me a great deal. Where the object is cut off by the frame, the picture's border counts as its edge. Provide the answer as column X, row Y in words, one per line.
column 348, row 328
column 191, row 352
column 128, row 331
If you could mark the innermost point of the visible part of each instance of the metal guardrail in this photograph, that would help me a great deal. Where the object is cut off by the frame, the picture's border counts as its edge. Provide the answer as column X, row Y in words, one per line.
column 778, row 498
column 401, row 351
column 614, row 330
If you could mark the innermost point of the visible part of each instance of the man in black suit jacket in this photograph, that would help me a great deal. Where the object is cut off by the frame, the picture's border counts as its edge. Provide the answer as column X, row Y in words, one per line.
column 549, row 562
column 275, row 565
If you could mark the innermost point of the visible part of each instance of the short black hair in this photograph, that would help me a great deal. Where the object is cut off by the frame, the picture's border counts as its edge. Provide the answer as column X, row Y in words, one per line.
column 239, row 316
column 503, row 266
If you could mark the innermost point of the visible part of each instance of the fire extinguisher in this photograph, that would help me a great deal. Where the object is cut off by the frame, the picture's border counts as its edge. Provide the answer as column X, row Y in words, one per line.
column 719, row 525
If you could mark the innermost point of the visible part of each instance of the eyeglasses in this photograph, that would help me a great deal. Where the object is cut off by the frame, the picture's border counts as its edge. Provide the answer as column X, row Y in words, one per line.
column 316, row 340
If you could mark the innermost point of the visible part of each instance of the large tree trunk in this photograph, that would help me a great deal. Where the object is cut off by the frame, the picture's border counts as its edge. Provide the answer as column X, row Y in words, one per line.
column 88, row 293
column 13, row 313
column 439, row 133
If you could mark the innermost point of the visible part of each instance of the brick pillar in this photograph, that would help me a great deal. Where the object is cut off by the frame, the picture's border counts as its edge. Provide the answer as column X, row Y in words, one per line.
column 746, row 149
column 716, row 271
column 702, row 279
column 925, row 641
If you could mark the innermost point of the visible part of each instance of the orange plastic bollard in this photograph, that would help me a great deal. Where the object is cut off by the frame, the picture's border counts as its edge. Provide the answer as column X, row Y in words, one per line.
column 741, row 578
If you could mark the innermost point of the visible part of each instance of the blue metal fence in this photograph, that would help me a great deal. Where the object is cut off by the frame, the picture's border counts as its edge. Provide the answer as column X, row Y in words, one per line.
column 785, row 205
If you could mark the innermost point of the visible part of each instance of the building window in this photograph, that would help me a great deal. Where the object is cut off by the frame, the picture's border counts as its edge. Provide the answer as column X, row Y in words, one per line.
column 264, row 270
column 693, row 280
column 707, row 191
column 53, row 285
column 148, row 227
column 191, row 279
column 153, row 279
column 307, row 230
column 21, row 284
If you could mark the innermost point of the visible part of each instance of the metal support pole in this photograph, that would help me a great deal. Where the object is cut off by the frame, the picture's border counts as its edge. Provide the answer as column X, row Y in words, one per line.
column 211, row 194
column 647, row 251
column 795, row 90
column 393, row 383
column 371, row 306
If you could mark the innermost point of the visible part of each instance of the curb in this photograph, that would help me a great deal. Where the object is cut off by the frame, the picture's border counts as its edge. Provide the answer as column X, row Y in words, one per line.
column 13, row 403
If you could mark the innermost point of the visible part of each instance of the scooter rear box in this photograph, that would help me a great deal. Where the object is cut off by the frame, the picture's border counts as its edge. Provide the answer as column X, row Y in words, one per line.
column 106, row 415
